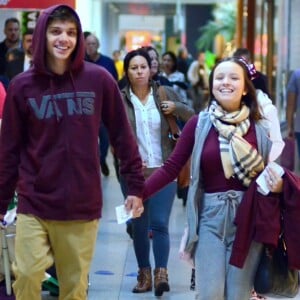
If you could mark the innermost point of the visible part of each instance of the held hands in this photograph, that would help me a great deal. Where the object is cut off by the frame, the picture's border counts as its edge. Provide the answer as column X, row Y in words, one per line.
column 168, row 107
column 274, row 180
column 135, row 204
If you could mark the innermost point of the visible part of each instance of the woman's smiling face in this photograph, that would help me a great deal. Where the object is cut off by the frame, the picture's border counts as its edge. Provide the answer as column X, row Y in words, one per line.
column 229, row 85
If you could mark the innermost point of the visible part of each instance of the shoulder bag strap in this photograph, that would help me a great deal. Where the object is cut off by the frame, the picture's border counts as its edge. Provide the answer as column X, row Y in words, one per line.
column 175, row 131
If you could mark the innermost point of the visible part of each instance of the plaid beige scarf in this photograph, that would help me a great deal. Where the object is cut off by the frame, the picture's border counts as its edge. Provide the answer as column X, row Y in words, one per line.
column 238, row 157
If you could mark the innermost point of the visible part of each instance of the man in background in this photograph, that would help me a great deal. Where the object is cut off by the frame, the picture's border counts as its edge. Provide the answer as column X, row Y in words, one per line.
column 19, row 60
column 92, row 45
column 12, row 40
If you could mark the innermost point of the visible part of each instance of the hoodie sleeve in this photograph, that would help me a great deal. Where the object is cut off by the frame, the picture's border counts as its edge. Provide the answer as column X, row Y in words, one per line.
column 11, row 140
column 2, row 98
column 122, row 139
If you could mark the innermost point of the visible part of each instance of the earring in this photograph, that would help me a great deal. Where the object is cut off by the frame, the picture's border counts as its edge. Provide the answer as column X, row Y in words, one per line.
column 244, row 93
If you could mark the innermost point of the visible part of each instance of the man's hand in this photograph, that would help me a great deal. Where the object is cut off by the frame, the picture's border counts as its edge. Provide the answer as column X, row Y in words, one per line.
column 135, row 204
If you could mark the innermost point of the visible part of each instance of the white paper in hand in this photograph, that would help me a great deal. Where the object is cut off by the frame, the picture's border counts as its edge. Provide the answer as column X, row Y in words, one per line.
column 122, row 215
column 261, row 180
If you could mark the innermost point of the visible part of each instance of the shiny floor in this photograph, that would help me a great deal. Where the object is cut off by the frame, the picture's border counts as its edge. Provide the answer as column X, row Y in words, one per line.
column 113, row 270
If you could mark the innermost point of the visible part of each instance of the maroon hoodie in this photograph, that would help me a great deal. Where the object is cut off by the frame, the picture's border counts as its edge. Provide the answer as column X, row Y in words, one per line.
column 49, row 148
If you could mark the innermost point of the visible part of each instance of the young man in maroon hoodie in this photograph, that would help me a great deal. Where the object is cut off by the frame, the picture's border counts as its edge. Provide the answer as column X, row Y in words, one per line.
column 49, row 155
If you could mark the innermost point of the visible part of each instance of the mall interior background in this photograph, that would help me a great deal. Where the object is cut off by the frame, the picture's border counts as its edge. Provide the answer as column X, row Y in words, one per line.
column 267, row 27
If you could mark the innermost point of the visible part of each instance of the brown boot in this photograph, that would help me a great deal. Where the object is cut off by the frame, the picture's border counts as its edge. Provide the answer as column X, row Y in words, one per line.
column 144, row 279
column 161, row 283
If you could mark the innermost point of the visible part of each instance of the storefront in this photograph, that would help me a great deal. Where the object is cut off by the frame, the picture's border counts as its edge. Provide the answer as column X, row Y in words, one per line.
column 268, row 28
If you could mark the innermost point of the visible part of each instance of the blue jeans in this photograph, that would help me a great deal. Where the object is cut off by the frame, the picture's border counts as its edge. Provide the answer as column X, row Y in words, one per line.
column 157, row 210
column 215, row 278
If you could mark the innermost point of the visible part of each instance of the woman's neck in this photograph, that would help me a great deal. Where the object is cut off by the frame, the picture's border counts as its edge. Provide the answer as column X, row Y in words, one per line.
column 141, row 92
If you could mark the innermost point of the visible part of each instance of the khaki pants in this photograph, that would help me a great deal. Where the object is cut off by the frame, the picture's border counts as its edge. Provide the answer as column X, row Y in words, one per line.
column 41, row 242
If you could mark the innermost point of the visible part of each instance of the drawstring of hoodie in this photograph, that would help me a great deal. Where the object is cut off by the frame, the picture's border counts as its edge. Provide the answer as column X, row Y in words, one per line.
column 73, row 82
column 53, row 100
column 55, row 108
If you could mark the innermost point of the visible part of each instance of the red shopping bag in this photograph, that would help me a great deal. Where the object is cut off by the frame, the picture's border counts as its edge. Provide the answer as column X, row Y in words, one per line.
column 287, row 158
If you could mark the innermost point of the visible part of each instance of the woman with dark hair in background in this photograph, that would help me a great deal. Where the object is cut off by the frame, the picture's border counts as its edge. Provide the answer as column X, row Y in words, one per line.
column 170, row 71
column 147, row 113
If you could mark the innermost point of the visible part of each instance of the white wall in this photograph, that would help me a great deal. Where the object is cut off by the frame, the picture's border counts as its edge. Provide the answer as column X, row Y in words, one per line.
column 90, row 13
column 132, row 22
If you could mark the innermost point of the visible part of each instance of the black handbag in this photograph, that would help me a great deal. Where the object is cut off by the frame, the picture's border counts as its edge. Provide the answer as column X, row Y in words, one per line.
column 273, row 275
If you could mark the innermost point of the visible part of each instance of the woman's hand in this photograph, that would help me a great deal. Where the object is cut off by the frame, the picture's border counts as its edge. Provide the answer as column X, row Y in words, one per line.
column 168, row 107
column 274, row 180
column 134, row 204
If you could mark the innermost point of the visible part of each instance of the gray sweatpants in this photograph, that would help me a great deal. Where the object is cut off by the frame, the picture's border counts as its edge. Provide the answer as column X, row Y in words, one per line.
column 215, row 278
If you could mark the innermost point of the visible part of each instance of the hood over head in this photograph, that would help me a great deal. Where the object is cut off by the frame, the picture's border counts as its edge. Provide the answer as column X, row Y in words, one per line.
column 39, row 42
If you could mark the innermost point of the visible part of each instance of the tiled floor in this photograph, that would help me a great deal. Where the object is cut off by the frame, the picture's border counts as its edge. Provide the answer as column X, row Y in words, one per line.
column 113, row 271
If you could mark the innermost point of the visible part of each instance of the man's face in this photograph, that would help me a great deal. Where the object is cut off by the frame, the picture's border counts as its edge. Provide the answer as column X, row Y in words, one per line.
column 91, row 45
column 61, row 41
column 12, row 32
column 27, row 44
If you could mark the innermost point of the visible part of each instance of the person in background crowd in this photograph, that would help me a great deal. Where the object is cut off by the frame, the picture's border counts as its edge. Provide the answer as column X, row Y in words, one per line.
column 20, row 59
column 155, row 71
column 169, row 65
column 170, row 71
column 12, row 40
column 119, row 64
column 197, row 75
column 93, row 55
column 260, row 81
column 293, row 108
column 184, row 60
column 49, row 155
column 146, row 112
column 231, row 124
column 157, row 77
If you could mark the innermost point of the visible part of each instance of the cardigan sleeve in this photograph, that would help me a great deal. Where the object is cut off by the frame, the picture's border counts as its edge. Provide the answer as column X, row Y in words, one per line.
column 257, row 219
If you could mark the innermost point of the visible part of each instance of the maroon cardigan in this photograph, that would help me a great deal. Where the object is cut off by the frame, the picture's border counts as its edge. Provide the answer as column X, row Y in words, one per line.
column 258, row 219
